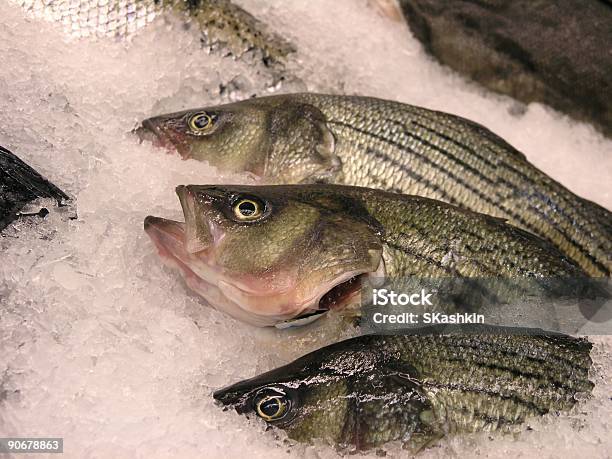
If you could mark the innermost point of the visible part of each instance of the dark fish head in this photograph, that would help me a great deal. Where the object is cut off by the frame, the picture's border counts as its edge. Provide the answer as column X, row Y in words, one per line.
column 273, row 138
column 269, row 254
column 343, row 394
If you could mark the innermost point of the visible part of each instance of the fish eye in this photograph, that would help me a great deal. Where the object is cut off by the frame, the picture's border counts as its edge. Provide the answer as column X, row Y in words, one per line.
column 272, row 406
column 248, row 209
column 202, row 122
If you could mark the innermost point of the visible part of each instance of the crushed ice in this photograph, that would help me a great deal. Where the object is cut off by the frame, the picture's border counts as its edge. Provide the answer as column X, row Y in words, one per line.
column 102, row 345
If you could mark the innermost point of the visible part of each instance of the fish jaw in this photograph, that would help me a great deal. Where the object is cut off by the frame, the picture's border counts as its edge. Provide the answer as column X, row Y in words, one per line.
column 261, row 300
column 168, row 237
column 157, row 131
column 288, row 303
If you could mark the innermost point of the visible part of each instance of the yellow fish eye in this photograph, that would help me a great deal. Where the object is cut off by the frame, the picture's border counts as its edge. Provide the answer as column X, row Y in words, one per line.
column 201, row 123
column 272, row 407
column 247, row 209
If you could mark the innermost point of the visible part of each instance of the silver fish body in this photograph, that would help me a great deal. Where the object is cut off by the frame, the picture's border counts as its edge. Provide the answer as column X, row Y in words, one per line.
column 222, row 23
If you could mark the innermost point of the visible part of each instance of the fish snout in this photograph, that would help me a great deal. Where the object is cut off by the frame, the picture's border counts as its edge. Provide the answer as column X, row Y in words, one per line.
column 154, row 130
column 224, row 396
column 167, row 235
column 233, row 396
column 157, row 224
column 146, row 132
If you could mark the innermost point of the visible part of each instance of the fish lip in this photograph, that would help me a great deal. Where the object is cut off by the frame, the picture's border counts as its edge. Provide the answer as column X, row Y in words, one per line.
column 151, row 131
column 221, row 395
column 147, row 132
column 163, row 227
column 227, row 398
column 237, row 394
column 165, row 234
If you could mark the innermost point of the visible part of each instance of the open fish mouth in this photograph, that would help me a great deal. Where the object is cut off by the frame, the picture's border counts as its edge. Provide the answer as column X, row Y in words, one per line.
column 248, row 298
column 339, row 296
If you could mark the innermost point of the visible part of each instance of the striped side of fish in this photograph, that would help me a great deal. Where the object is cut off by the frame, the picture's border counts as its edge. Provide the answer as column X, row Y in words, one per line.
column 414, row 150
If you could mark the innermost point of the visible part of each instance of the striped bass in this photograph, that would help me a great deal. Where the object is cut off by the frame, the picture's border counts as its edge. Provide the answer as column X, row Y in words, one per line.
column 362, row 141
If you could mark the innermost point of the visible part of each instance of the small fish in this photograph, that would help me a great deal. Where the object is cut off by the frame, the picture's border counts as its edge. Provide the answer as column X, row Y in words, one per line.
column 224, row 25
column 361, row 141
column 20, row 185
column 268, row 254
column 366, row 391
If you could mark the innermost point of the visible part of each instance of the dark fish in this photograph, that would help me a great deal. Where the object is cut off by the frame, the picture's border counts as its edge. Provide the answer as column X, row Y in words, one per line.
column 19, row 185
column 513, row 47
column 366, row 391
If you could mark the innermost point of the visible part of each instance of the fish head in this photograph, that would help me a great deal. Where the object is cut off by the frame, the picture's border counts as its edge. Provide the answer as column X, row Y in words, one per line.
column 275, row 139
column 344, row 395
column 268, row 254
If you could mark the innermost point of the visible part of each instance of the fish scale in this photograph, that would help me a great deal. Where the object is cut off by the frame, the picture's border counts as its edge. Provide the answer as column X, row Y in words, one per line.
column 437, row 155
column 313, row 246
column 422, row 386
column 369, row 142
column 222, row 23
column 97, row 18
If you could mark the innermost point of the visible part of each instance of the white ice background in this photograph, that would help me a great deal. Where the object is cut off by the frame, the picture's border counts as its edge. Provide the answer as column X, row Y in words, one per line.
column 102, row 345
